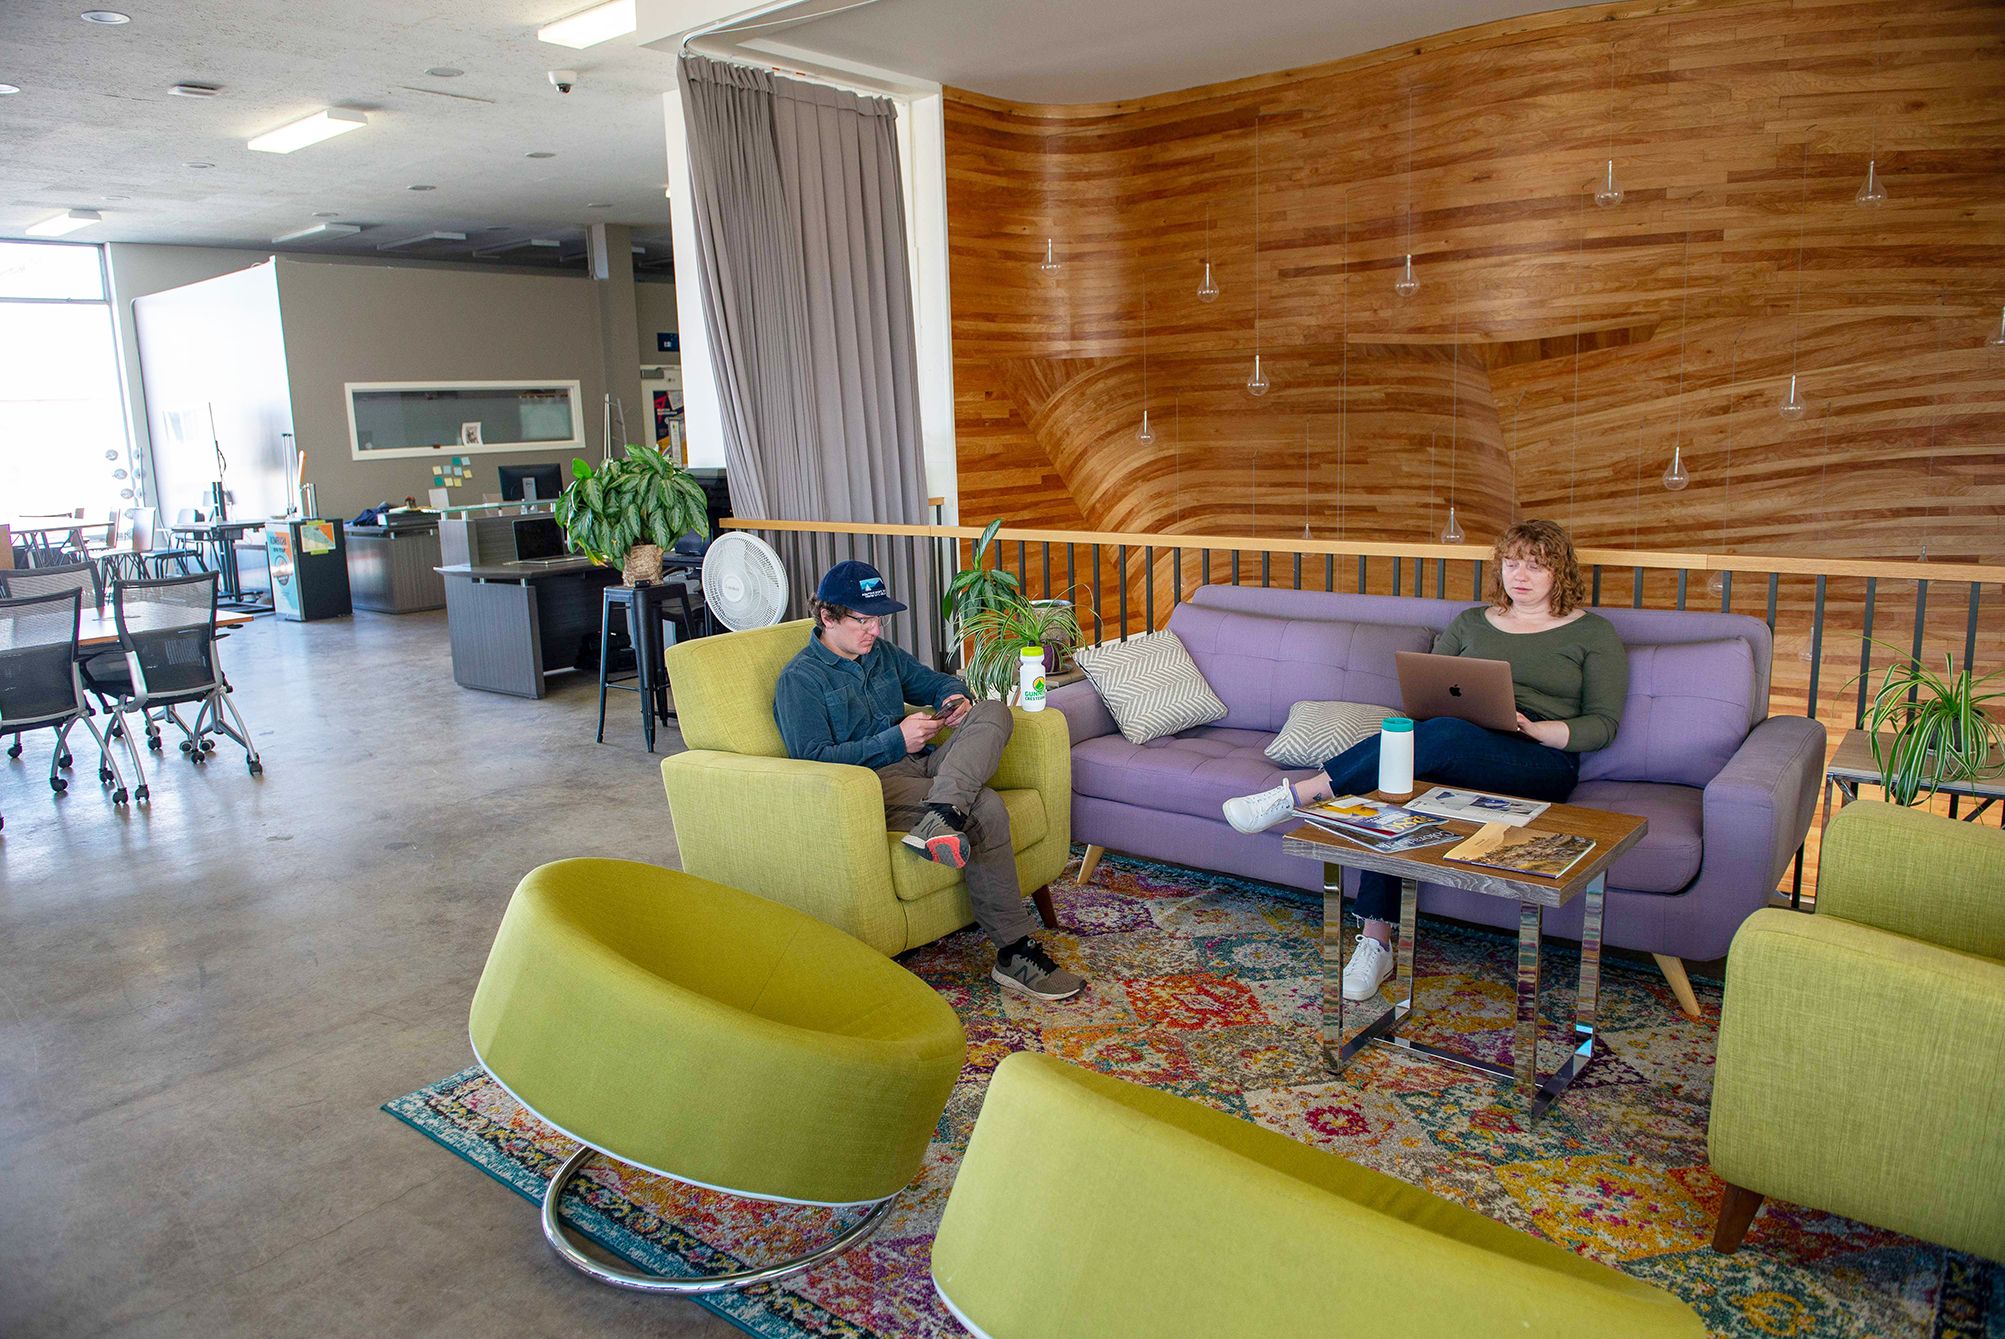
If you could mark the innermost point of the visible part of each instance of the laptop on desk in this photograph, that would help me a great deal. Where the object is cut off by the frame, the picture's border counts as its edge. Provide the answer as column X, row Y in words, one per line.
column 1460, row 686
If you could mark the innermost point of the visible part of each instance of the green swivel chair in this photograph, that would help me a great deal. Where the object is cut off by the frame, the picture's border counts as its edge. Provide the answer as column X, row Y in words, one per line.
column 812, row 834
column 715, row 1038
column 1861, row 1065
column 1168, row 1218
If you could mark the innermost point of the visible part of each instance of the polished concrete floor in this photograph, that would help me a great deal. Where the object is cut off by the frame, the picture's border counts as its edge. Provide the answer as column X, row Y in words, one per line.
column 204, row 1001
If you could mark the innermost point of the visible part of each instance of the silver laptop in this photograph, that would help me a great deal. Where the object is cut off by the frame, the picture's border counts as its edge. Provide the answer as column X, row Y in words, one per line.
column 1459, row 686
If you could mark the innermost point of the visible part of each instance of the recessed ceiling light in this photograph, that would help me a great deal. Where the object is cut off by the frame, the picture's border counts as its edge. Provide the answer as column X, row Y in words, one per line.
column 421, row 188
column 589, row 27
column 193, row 91
column 445, row 72
column 596, row 205
column 539, row 153
column 322, row 125
column 61, row 225
column 198, row 165
column 325, row 214
column 317, row 232
column 118, row 197
column 110, row 18
column 5, row 89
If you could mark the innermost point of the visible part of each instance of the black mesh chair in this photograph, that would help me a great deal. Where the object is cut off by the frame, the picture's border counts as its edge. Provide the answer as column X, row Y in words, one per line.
column 39, row 687
column 167, row 634
column 60, row 579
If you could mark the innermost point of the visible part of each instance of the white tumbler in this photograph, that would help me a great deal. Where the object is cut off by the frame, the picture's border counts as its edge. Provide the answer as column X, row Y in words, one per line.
column 1395, row 756
column 1030, row 676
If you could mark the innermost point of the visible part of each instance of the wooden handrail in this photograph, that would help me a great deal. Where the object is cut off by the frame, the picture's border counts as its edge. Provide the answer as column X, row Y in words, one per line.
column 1690, row 562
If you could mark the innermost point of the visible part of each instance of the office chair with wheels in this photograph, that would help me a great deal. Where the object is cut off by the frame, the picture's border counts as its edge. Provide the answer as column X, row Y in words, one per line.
column 39, row 685
column 61, row 579
column 167, row 633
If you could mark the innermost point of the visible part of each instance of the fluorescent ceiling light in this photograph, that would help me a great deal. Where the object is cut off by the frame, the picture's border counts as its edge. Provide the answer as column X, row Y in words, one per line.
column 441, row 235
column 502, row 248
column 589, row 27
column 318, row 231
column 62, row 225
column 313, row 129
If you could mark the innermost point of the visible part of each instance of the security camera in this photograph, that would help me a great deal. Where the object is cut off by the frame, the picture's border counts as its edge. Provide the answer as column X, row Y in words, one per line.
column 564, row 80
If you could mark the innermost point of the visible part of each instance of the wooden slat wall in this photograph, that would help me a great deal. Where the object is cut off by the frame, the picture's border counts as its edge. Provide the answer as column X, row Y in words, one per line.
column 1562, row 349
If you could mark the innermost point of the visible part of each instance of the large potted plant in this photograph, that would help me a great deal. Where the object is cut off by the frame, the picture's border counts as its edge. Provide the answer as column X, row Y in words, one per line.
column 625, row 512
column 979, row 587
column 1930, row 729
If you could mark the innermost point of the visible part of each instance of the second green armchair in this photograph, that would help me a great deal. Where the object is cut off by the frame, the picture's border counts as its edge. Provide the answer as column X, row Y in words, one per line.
column 812, row 834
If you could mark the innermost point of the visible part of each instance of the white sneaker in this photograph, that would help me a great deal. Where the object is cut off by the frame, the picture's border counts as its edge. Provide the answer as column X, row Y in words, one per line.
column 1370, row 965
column 1257, row 813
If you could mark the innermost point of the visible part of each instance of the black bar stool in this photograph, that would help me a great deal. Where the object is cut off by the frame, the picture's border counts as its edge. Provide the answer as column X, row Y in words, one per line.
column 630, row 620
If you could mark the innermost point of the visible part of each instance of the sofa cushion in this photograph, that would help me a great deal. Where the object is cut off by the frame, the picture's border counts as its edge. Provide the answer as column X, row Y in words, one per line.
column 1150, row 684
column 1667, row 859
column 913, row 876
column 1686, row 713
column 1319, row 731
column 1261, row 666
column 1192, row 773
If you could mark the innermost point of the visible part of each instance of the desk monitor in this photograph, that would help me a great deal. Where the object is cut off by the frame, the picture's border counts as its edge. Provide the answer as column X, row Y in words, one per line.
column 531, row 483
column 717, row 506
column 538, row 537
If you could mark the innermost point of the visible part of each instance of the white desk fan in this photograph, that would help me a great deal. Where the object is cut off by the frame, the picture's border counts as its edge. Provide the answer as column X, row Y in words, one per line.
column 744, row 582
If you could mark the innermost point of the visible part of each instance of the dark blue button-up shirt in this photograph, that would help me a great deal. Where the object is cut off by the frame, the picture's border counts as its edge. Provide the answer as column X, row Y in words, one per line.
column 832, row 709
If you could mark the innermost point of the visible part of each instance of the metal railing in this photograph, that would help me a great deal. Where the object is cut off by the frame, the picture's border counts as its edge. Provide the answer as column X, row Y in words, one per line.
column 1831, row 619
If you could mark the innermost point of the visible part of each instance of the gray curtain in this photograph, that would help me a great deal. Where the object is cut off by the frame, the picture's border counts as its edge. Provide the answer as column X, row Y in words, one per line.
column 800, row 230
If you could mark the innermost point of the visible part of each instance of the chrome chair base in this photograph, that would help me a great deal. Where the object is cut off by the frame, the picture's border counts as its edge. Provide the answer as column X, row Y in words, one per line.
column 567, row 1250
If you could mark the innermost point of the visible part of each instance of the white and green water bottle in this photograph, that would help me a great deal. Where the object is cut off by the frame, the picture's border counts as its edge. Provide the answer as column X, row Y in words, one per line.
column 1030, row 674
column 1395, row 756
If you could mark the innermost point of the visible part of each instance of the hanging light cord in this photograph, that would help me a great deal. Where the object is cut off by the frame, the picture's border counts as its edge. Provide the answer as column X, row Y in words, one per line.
column 1796, row 309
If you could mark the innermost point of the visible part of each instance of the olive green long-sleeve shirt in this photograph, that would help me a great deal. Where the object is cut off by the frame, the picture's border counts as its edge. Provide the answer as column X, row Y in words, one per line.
column 1577, row 673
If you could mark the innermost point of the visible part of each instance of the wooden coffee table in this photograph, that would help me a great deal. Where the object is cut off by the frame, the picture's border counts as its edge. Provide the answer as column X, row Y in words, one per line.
column 1612, row 835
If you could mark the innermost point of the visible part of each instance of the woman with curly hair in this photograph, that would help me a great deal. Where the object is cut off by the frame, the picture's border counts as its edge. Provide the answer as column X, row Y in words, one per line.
column 1570, row 674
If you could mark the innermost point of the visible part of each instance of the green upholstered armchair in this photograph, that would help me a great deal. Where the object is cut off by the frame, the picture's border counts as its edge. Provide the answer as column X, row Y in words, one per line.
column 812, row 834
column 1861, row 1059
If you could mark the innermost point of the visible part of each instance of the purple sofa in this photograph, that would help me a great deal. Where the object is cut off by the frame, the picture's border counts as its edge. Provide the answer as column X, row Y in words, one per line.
column 1728, row 789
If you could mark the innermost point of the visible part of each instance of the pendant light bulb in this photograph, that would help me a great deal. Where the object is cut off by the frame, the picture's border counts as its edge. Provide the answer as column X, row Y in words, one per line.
column 1451, row 533
column 1406, row 285
column 1676, row 476
column 1996, row 339
column 1147, row 435
column 1207, row 289
column 1609, row 192
column 1793, row 405
column 1872, row 194
column 1050, row 262
column 1257, row 383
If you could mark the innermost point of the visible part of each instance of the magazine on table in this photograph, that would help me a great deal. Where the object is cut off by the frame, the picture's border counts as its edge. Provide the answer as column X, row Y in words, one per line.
column 1415, row 840
column 1350, row 815
column 1548, row 855
column 1477, row 806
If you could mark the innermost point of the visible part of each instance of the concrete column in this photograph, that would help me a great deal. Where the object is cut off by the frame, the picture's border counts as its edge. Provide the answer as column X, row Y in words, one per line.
column 701, row 422
column 611, row 260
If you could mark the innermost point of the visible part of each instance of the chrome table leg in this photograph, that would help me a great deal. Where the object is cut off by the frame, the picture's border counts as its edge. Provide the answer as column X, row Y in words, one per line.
column 1587, row 1004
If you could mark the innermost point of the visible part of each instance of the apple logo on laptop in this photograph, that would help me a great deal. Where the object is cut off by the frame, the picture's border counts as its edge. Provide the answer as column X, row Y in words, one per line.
column 1454, row 690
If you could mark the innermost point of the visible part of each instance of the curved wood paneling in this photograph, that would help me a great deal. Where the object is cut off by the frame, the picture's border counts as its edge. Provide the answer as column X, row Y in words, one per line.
column 1556, row 351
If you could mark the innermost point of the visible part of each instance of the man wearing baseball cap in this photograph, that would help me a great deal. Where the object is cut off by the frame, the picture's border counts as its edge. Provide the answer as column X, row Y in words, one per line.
column 842, row 699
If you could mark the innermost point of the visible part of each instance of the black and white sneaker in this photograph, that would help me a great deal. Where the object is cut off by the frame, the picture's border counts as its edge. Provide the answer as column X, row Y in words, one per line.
column 1025, row 968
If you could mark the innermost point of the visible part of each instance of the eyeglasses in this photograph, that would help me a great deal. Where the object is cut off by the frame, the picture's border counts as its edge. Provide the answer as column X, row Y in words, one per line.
column 871, row 621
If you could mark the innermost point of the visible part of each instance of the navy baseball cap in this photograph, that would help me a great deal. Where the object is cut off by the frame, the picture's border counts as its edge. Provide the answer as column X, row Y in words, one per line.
column 857, row 586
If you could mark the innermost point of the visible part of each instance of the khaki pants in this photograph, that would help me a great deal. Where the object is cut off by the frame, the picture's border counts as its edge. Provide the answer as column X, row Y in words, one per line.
column 957, row 774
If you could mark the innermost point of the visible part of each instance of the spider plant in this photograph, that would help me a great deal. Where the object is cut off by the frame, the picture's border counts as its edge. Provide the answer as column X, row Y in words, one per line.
column 998, row 634
column 1931, row 729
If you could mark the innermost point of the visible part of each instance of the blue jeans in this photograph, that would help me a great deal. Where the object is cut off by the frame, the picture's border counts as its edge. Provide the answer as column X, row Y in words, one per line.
column 1452, row 752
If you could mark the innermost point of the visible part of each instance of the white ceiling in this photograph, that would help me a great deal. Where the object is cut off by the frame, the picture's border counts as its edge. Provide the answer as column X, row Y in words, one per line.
column 94, row 122
column 1071, row 51
column 94, row 126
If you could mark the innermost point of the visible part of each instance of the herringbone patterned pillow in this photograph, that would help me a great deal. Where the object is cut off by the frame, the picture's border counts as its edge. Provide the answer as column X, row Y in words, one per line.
column 1318, row 731
column 1150, row 684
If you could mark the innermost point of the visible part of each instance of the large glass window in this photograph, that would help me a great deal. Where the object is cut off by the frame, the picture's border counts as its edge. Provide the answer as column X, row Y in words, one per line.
column 62, row 419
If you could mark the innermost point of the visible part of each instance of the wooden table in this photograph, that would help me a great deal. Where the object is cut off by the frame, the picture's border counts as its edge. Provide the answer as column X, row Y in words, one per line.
column 97, row 628
column 1852, row 765
column 1612, row 835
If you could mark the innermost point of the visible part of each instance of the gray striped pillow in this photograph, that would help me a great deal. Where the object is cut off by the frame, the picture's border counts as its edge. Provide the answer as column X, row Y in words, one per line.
column 1318, row 731
column 1150, row 684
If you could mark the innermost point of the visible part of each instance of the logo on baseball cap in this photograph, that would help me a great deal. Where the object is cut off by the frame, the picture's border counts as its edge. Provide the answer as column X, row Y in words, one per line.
column 857, row 586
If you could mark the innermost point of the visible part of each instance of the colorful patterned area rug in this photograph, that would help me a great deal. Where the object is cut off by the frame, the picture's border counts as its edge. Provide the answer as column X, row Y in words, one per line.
column 1208, row 986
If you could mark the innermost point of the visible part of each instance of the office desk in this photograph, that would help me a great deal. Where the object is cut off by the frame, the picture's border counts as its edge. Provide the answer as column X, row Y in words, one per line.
column 395, row 569
column 512, row 623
